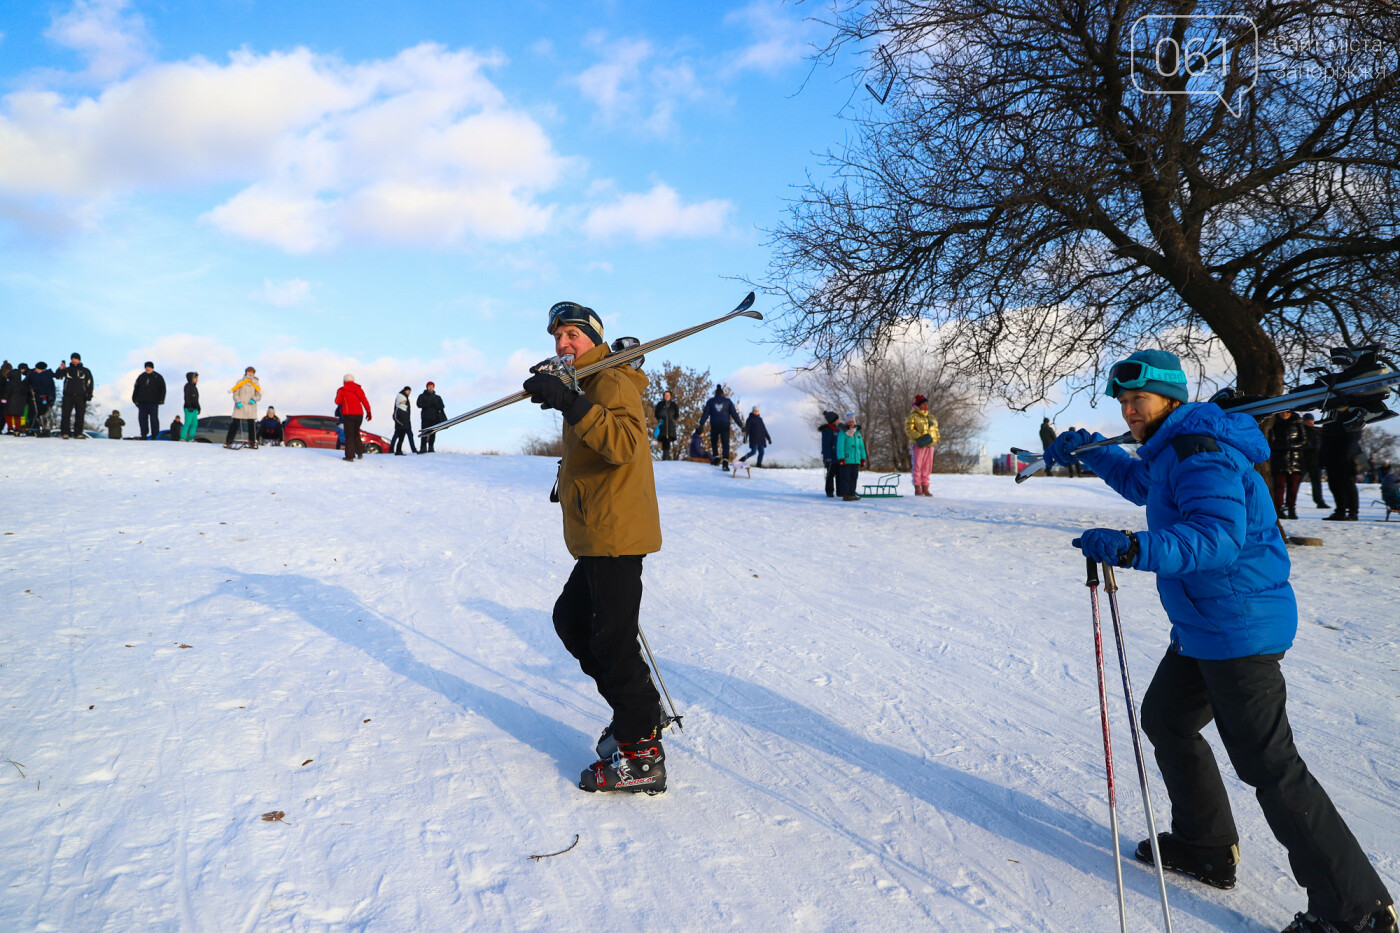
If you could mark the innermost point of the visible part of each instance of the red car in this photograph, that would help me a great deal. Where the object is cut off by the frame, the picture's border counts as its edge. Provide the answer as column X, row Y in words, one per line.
column 320, row 431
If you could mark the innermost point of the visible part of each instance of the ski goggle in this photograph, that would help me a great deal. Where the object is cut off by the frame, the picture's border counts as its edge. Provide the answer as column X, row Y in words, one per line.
column 1134, row 374
column 571, row 312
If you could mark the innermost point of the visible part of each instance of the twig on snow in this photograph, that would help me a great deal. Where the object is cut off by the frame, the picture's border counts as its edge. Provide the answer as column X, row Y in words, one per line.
column 560, row 852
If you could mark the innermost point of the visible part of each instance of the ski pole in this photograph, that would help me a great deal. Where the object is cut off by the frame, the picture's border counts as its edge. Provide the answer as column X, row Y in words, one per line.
column 1111, row 587
column 1093, row 584
column 659, row 679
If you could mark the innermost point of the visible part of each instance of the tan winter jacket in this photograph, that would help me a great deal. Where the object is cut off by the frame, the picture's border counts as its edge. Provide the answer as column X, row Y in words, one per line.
column 606, row 488
column 247, row 391
column 920, row 423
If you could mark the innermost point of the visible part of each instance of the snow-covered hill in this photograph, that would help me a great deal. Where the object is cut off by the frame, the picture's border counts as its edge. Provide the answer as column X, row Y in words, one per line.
column 891, row 715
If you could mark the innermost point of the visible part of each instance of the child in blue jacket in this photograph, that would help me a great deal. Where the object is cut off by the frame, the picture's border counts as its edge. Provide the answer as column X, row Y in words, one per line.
column 1222, row 574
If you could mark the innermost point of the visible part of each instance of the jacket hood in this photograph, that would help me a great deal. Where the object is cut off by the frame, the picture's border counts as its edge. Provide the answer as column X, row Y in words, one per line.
column 601, row 352
column 189, row 377
column 1239, row 431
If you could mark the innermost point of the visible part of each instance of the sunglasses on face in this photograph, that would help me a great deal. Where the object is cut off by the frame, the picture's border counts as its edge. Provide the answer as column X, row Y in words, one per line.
column 1134, row 374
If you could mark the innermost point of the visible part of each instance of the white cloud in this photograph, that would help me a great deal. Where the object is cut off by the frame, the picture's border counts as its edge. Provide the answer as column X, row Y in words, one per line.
column 102, row 32
column 419, row 149
column 634, row 85
column 780, row 37
column 286, row 294
column 656, row 214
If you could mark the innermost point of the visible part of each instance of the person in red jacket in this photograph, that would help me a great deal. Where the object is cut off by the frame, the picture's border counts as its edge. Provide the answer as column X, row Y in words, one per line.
column 354, row 408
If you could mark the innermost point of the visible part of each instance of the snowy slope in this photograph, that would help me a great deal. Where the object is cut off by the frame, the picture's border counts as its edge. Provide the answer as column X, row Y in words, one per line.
column 891, row 718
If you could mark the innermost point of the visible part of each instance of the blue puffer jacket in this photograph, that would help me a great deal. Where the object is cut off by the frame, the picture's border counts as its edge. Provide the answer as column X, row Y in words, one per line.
column 1221, row 565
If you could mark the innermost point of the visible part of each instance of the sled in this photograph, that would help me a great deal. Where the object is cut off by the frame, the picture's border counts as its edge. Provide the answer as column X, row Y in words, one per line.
column 886, row 487
column 735, row 466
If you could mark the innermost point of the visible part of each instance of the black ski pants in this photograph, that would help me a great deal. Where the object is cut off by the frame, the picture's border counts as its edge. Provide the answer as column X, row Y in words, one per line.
column 719, row 435
column 596, row 619
column 1245, row 697
column 1341, row 479
column 148, row 417
column 831, row 468
column 428, row 442
column 74, row 407
column 400, row 434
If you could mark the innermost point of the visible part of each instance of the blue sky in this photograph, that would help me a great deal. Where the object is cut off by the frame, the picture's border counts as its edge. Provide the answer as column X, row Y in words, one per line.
column 316, row 188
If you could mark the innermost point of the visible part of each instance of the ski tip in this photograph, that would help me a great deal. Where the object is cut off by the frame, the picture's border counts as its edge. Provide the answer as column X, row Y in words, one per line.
column 1022, row 477
column 756, row 315
column 747, row 303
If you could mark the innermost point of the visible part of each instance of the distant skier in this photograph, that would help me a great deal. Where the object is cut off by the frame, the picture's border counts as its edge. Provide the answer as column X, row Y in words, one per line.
column 1312, row 459
column 830, row 461
column 1341, row 448
column 922, row 430
column 191, row 407
column 1047, row 437
column 77, row 392
column 850, row 457
column 1288, row 440
column 1222, row 574
column 719, row 412
column 611, row 521
column 43, row 390
column 354, row 409
column 403, row 422
column 434, row 412
column 148, row 394
column 246, row 394
column 668, row 417
column 757, row 436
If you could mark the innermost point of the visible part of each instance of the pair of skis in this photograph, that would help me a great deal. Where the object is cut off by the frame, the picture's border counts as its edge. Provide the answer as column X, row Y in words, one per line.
column 625, row 354
column 1354, row 388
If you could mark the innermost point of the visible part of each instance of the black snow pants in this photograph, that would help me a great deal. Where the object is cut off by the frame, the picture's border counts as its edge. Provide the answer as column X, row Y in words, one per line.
column 74, row 413
column 718, row 435
column 596, row 619
column 1245, row 697
column 831, row 468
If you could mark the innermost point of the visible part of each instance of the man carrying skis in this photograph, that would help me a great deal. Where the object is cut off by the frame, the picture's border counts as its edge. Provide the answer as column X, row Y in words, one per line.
column 1222, row 574
column 611, row 521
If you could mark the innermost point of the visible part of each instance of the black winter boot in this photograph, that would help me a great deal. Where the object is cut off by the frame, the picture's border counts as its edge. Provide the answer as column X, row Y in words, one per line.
column 1215, row 865
column 607, row 744
column 638, row 766
column 1382, row 921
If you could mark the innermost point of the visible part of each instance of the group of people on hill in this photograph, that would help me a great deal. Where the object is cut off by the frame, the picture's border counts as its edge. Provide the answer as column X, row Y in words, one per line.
column 719, row 412
column 352, row 409
column 28, row 396
column 1299, row 447
column 844, row 454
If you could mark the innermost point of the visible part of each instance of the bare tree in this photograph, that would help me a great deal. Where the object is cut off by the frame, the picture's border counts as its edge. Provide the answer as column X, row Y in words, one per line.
column 880, row 388
column 1060, row 183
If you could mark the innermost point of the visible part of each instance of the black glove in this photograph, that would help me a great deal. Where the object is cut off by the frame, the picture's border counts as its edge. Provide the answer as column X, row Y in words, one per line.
column 549, row 391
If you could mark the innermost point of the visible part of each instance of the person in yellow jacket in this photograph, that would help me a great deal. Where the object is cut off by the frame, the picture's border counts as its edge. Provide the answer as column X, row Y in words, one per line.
column 246, row 394
column 611, row 521
column 922, row 430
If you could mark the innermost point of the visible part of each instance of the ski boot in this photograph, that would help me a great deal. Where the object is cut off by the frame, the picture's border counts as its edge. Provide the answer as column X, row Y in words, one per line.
column 1382, row 921
column 1214, row 865
column 638, row 766
column 607, row 745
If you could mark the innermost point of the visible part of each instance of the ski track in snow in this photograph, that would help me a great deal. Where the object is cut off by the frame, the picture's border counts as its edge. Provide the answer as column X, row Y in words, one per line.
column 890, row 706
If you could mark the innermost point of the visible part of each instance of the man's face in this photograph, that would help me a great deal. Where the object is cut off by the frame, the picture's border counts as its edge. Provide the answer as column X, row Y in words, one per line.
column 150, row 369
column 1143, row 411
column 570, row 341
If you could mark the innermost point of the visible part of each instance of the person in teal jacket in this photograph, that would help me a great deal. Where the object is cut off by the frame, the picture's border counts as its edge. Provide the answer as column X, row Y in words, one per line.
column 850, row 457
column 1222, row 574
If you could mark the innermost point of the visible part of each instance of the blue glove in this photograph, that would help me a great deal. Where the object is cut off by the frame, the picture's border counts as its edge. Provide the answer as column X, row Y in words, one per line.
column 237, row 404
column 1106, row 544
column 1059, row 450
